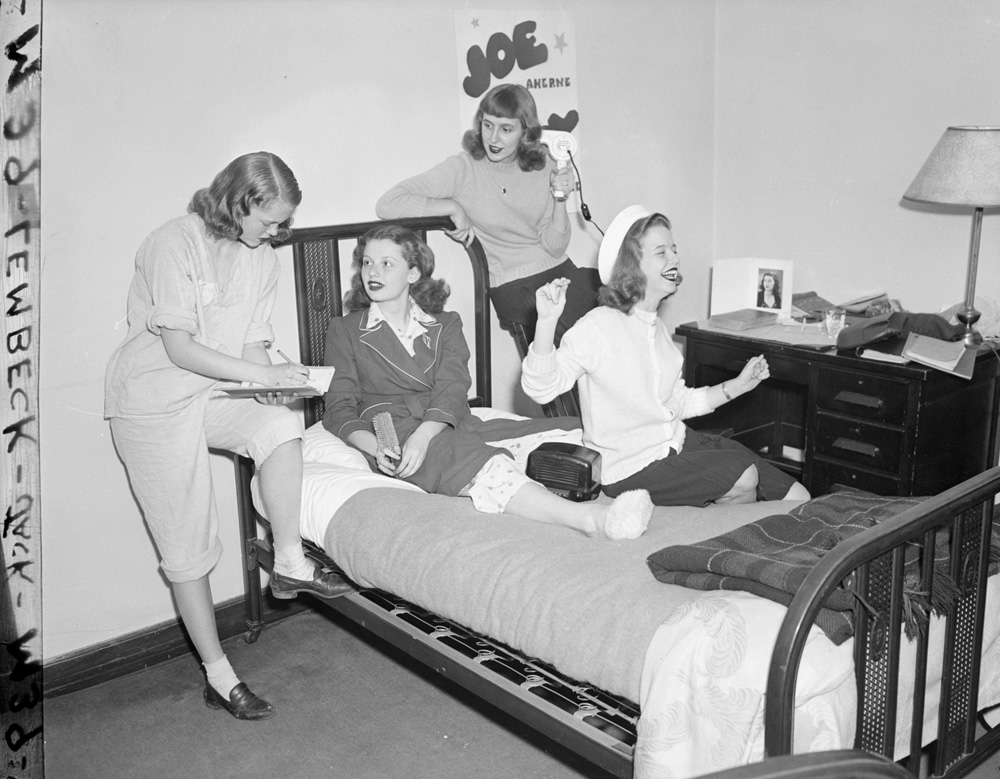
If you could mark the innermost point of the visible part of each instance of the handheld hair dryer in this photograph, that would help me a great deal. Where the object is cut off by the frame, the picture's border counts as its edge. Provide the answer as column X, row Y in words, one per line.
column 562, row 147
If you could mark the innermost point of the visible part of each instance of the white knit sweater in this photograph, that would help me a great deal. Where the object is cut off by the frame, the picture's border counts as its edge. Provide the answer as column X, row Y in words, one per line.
column 632, row 391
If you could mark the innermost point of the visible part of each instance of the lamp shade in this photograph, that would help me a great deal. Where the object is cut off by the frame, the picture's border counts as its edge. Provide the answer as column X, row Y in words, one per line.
column 963, row 169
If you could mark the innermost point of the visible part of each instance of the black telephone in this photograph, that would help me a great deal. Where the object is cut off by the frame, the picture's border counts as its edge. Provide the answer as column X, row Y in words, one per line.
column 868, row 331
column 569, row 470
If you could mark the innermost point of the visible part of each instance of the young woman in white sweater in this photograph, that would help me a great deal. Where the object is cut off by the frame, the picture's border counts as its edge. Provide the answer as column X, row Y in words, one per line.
column 629, row 373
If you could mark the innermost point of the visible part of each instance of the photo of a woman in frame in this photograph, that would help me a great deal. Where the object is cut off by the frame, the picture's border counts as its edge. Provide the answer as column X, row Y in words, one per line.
column 769, row 289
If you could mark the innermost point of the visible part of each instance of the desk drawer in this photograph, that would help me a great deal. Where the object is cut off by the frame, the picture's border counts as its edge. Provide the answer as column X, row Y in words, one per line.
column 858, row 442
column 860, row 395
column 826, row 474
column 732, row 359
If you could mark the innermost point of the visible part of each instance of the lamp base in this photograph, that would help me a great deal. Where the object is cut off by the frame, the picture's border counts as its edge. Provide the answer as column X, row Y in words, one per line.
column 968, row 316
column 972, row 337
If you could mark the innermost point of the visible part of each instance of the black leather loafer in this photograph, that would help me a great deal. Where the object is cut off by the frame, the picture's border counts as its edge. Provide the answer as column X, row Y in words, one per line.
column 242, row 703
column 324, row 584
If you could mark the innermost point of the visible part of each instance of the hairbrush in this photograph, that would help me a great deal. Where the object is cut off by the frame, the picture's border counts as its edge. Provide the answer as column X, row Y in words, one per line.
column 385, row 431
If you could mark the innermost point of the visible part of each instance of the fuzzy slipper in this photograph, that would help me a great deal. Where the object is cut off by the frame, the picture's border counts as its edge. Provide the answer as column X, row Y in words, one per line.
column 627, row 517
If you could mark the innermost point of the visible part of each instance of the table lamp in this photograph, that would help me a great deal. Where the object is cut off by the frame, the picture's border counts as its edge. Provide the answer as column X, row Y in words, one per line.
column 963, row 170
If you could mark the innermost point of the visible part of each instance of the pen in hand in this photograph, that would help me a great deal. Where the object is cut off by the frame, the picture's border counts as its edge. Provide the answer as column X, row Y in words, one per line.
column 287, row 359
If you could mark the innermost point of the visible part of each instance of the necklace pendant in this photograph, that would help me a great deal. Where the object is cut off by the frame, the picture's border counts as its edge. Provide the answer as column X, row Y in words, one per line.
column 504, row 190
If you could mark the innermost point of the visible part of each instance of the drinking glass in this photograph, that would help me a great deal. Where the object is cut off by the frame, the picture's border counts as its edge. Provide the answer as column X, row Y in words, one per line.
column 834, row 321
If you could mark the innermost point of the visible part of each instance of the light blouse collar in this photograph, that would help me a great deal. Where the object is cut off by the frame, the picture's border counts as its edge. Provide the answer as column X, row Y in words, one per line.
column 414, row 325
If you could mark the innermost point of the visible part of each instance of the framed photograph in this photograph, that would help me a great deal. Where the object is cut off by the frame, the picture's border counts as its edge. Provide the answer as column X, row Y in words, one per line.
column 751, row 282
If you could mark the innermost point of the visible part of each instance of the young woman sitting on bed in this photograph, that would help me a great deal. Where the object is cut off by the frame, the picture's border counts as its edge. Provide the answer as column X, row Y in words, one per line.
column 397, row 351
column 632, row 394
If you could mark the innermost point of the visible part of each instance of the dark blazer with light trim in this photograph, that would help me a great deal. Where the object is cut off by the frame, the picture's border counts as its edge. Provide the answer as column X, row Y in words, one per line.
column 375, row 373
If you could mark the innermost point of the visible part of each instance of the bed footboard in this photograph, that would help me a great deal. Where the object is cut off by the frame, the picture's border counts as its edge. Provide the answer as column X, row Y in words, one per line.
column 872, row 564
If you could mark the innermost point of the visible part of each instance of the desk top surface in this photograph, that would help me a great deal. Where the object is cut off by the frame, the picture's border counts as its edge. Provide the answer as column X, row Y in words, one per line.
column 815, row 346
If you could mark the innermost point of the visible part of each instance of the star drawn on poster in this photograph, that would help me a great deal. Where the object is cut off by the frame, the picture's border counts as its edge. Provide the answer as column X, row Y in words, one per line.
column 561, row 42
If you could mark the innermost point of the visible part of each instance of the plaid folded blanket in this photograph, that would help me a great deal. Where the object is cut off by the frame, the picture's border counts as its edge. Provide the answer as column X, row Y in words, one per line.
column 772, row 556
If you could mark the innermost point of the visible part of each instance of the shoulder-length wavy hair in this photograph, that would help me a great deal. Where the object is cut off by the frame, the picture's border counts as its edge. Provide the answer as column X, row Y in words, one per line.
column 510, row 101
column 251, row 181
column 430, row 293
column 776, row 290
column 627, row 284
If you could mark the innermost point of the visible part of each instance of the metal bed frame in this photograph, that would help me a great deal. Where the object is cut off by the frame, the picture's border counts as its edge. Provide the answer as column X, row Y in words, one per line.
column 596, row 725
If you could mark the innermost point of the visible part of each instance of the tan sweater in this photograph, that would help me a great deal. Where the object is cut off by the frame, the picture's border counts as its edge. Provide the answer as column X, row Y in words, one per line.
column 511, row 211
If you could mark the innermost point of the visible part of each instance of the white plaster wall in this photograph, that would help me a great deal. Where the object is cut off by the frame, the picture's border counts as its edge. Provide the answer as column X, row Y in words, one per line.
column 762, row 127
column 826, row 111
column 143, row 102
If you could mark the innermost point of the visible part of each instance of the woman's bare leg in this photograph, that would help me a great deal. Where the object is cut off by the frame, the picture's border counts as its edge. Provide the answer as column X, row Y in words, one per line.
column 744, row 490
column 281, row 492
column 630, row 511
column 194, row 602
column 535, row 502
column 797, row 491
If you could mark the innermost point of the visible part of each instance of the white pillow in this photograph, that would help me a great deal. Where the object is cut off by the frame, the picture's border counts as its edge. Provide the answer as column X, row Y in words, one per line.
column 487, row 413
column 332, row 472
column 325, row 488
column 322, row 446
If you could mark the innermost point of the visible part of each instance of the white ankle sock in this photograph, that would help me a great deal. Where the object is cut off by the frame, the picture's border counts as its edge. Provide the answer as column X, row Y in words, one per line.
column 292, row 562
column 221, row 676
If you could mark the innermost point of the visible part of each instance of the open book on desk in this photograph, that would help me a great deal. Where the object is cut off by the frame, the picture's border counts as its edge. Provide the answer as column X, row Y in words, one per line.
column 952, row 357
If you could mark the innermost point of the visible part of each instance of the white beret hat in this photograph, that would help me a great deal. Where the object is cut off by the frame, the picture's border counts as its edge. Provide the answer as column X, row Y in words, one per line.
column 615, row 236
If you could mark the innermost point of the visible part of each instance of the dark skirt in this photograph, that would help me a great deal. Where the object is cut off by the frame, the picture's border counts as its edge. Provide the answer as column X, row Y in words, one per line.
column 705, row 471
column 514, row 301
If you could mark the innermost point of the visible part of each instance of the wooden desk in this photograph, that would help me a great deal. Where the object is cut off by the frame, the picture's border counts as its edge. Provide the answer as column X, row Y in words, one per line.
column 831, row 417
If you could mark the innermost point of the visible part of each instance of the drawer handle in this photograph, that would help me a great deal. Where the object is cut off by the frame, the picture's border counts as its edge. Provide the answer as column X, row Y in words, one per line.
column 857, row 399
column 858, row 447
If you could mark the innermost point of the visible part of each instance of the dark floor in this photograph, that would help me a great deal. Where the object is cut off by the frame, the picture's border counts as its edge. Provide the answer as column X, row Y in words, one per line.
column 349, row 707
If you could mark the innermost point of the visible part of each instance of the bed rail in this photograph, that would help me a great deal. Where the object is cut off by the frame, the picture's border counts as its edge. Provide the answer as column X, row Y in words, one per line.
column 871, row 564
column 836, row 764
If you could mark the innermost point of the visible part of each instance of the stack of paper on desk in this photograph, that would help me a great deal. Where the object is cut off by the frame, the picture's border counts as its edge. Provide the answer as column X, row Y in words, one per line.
column 948, row 356
column 744, row 319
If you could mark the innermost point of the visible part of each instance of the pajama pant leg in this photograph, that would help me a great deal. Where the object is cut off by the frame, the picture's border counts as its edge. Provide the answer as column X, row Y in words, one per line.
column 168, row 466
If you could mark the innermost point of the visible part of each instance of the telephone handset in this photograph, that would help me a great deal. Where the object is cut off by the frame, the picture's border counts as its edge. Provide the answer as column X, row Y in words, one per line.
column 562, row 147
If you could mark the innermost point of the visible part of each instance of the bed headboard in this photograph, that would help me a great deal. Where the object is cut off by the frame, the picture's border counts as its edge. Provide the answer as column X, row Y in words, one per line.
column 316, row 256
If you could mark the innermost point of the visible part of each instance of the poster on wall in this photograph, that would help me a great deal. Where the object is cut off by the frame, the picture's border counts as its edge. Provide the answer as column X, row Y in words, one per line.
column 536, row 49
